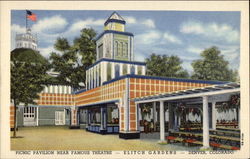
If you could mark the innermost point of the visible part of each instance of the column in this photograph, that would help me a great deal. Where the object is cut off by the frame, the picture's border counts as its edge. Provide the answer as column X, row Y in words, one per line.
column 162, row 123
column 213, row 115
column 126, row 105
column 205, row 123
column 73, row 120
column 175, row 121
column 238, row 116
column 170, row 114
column 154, row 115
column 37, row 116
column 102, row 119
column 87, row 118
column 77, row 116
column 137, row 118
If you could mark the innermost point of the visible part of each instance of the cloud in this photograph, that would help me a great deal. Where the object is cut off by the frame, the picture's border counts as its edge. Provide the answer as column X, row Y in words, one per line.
column 46, row 51
column 148, row 37
column 50, row 25
column 171, row 38
column 17, row 29
column 149, row 23
column 187, row 66
column 80, row 24
column 196, row 50
column 130, row 20
column 231, row 53
column 212, row 31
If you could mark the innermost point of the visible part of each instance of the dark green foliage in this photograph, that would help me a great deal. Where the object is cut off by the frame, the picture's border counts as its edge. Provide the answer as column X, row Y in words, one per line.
column 28, row 56
column 213, row 66
column 167, row 66
column 28, row 74
column 74, row 59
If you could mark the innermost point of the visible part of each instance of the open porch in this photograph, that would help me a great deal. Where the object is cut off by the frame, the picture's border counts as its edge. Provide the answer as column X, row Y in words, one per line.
column 209, row 129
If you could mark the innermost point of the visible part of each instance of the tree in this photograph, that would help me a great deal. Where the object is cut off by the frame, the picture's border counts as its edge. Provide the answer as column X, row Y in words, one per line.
column 213, row 66
column 28, row 73
column 163, row 65
column 73, row 60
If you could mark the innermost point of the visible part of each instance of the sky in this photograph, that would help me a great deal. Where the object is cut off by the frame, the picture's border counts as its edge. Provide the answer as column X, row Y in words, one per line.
column 182, row 33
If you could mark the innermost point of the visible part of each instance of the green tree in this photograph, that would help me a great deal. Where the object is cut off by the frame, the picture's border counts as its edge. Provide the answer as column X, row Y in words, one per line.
column 28, row 74
column 213, row 66
column 167, row 66
column 73, row 60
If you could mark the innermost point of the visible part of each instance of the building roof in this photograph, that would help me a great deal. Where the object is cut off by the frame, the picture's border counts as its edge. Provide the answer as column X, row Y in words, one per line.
column 191, row 93
column 117, row 61
column 115, row 17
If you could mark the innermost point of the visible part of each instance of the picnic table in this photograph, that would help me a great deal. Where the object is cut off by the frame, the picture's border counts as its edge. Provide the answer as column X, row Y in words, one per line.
column 227, row 128
column 218, row 141
column 217, row 138
column 226, row 133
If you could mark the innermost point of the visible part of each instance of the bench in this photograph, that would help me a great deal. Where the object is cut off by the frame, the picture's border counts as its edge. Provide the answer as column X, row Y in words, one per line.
column 226, row 133
column 196, row 142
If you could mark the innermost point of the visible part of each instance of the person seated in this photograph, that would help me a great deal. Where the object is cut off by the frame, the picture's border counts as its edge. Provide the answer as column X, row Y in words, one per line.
column 152, row 126
column 146, row 126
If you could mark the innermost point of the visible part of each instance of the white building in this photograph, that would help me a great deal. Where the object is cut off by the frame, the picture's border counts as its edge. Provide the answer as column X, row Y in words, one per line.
column 26, row 40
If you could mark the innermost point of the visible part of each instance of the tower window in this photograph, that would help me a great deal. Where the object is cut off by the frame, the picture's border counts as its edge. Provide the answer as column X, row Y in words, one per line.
column 100, row 51
column 109, row 71
column 132, row 70
column 116, row 48
column 117, row 70
column 126, row 50
column 122, row 48
column 139, row 70
column 124, row 69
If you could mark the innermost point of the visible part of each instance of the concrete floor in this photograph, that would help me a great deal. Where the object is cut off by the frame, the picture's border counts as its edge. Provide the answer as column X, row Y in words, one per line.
column 63, row 138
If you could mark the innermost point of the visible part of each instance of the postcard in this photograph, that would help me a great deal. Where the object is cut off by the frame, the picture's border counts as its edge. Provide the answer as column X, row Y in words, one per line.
column 118, row 79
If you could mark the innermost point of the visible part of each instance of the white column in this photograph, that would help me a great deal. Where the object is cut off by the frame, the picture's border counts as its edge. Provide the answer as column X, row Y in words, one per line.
column 102, row 119
column 154, row 112
column 205, row 123
column 213, row 115
column 175, row 120
column 37, row 117
column 112, row 70
column 137, row 118
column 239, row 117
column 126, row 105
column 162, row 123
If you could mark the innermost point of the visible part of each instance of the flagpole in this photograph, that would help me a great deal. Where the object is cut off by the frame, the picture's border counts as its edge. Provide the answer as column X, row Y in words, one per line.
column 26, row 20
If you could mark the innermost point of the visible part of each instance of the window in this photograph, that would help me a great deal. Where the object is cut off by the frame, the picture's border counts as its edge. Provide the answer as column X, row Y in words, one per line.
column 116, row 48
column 99, row 76
column 117, row 70
column 109, row 71
column 119, row 49
column 126, row 50
column 132, row 70
column 100, row 51
column 139, row 68
column 87, row 79
column 124, row 69
column 122, row 49
column 90, row 81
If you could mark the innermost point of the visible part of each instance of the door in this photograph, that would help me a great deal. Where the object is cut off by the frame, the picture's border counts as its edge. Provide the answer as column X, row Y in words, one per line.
column 59, row 118
column 29, row 118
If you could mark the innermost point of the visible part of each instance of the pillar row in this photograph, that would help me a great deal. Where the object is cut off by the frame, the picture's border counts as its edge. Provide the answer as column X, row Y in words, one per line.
column 162, row 123
column 205, row 122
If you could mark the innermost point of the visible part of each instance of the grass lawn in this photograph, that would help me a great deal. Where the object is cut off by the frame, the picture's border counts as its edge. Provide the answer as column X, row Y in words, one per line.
column 63, row 138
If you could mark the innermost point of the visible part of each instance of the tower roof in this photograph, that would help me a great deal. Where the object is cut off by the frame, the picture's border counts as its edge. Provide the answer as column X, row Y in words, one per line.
column 115, row 17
